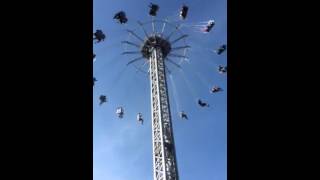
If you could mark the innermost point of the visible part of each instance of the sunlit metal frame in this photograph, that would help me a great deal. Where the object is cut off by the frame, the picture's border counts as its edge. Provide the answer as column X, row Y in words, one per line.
column 155, row 48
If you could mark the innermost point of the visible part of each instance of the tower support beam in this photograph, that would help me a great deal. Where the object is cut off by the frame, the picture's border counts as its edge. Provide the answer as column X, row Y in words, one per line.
column 164, row 153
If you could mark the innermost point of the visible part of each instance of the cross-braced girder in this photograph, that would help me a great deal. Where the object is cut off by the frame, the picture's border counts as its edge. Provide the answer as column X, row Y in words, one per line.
column 164, row 157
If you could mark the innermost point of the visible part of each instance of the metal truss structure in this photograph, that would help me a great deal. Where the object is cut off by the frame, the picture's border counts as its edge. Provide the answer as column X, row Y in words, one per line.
column 155, row 48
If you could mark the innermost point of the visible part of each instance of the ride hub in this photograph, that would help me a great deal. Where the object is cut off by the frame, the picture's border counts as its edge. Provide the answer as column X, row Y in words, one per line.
column 155, row 41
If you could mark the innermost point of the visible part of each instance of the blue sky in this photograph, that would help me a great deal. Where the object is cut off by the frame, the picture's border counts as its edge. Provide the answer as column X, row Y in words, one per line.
column 122, row 148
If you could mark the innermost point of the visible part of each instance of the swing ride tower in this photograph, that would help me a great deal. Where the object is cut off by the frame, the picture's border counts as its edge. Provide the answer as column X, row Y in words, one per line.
column 164, row 155
column 155, row 49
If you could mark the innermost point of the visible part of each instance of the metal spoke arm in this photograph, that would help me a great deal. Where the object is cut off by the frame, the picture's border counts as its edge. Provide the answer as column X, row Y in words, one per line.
column 144, row 30
column 177, row 65
column 177, row 55
column 135, row 35
column 177, row 29
column 134, row 60
column 181, row 37
column 130, row 43
column 131, row 52
column 180, row 47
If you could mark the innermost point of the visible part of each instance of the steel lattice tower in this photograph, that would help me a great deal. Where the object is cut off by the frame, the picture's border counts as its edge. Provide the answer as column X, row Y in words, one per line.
column 164, row 156
column 154, row 49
